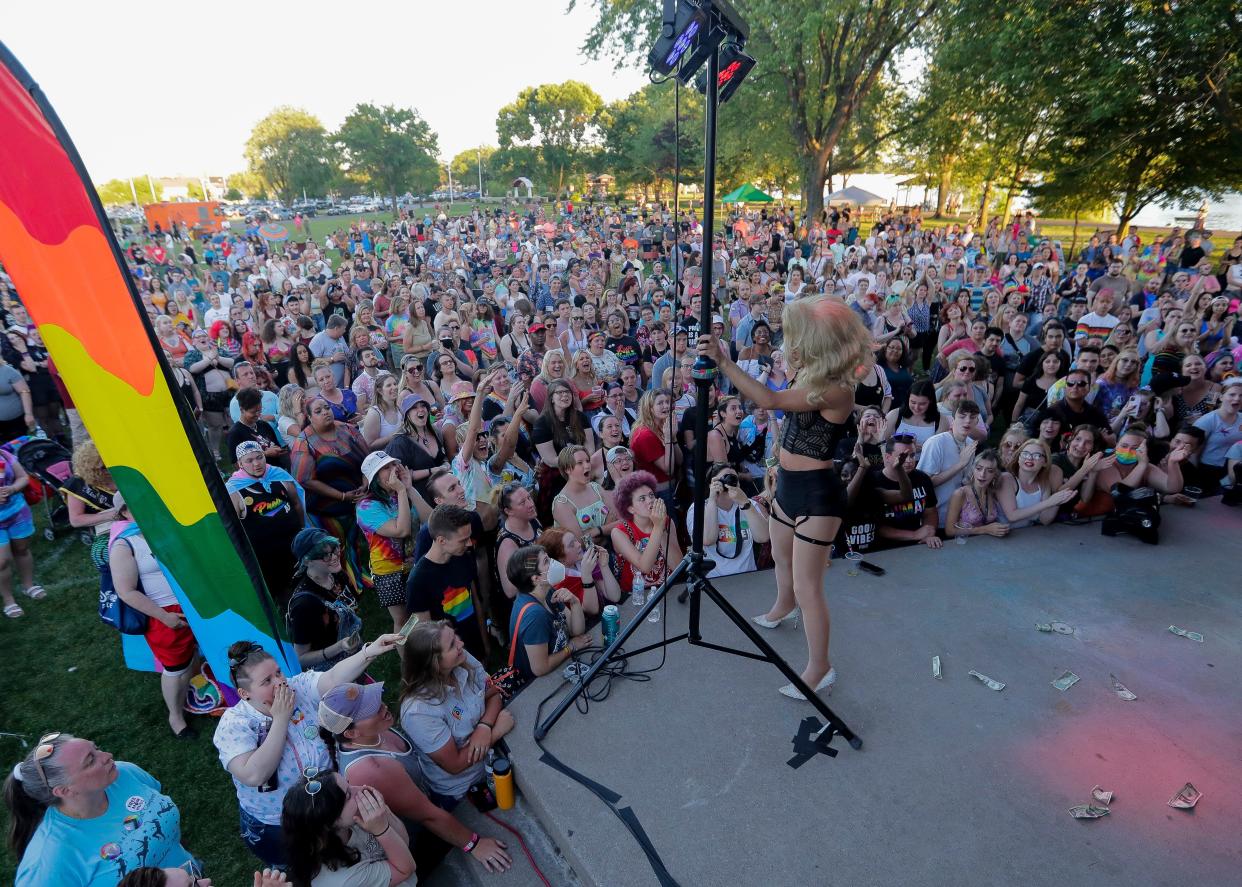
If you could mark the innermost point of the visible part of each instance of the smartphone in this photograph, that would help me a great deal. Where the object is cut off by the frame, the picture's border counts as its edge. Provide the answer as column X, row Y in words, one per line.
column 408, row 628
column 868, row 567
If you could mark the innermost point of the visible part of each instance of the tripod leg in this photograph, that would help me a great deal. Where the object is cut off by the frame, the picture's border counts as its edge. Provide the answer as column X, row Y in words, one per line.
column 656, row 598
column 839, row 726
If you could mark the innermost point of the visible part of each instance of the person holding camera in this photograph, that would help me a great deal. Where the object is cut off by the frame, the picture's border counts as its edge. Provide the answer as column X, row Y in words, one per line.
column 732, row 523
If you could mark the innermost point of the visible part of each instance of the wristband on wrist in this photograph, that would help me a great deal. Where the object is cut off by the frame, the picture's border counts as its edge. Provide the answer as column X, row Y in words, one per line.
column 487, row 725
column 471, row 844
column 385, row 831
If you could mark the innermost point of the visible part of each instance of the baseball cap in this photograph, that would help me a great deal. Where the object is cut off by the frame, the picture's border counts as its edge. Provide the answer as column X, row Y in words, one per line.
column 346, row 703
column 619, row 451
column 535, row 327
column 373, row 463
column 412, row 400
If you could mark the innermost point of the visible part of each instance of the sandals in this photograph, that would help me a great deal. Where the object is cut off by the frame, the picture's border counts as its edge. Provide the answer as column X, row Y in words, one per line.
column 14, row 611
column 35, row 592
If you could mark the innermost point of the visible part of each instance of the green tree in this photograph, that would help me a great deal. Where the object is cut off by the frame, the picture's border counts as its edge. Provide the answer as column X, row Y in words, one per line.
column 562, row 120
column 466, row 168
column 818, row 60
column 1099, row 103
column 232, row 194
column 289, row 150
column 391, row 149
column 194, row 191
column 117, row 192
column 641, row 138
column 248, row 184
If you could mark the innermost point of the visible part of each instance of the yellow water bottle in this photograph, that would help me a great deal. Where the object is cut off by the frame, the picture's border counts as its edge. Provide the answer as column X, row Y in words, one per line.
column 502, row 772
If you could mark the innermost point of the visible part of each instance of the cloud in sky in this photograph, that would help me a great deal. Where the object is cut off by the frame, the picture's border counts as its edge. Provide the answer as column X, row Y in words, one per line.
column 168, row 88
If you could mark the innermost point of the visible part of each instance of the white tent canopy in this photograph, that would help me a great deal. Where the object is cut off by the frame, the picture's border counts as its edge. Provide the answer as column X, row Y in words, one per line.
column 856, row 196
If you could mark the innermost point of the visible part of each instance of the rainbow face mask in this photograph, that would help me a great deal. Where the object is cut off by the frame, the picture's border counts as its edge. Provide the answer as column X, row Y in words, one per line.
column 1127, row 456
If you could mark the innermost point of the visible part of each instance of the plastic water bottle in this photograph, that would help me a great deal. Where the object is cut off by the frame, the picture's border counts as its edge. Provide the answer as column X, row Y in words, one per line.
column 654, row 615
column 638, row 590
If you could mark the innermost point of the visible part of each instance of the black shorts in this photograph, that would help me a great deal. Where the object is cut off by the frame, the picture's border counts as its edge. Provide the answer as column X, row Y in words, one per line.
column 816, row 493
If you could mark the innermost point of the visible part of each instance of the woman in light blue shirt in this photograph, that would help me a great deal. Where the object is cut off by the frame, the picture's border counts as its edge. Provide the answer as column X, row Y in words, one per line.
column 80, row 818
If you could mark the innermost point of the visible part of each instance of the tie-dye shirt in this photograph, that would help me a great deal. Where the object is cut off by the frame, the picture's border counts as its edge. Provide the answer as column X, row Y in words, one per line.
column 387, row 554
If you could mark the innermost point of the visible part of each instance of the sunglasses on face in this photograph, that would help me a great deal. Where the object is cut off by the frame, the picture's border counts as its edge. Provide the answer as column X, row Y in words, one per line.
column 1081, row 383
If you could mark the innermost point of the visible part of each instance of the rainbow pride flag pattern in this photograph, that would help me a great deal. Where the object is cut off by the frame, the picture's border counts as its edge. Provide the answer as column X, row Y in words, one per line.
column 56, row 244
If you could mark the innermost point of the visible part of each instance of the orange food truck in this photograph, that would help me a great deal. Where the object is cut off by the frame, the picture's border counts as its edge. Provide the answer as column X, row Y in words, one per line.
column 200, row 215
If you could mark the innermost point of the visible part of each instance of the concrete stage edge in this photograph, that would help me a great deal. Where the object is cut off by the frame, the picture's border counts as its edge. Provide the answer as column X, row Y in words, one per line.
column 955, row 784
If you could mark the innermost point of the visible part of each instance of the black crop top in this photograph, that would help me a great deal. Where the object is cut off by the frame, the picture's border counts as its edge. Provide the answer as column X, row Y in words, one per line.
column 810, row 434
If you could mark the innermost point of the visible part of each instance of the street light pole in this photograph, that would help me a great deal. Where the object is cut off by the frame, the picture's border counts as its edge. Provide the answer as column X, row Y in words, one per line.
column 480, row 150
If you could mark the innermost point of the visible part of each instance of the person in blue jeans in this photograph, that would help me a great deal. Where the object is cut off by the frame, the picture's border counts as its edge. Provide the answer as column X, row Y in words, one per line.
column 80, row 818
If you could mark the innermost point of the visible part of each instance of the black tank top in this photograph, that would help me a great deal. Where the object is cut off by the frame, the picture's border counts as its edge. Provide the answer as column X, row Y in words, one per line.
column 810, row 434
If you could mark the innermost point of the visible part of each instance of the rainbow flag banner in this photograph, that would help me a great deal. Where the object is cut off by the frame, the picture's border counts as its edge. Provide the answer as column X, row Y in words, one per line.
column 56, row 244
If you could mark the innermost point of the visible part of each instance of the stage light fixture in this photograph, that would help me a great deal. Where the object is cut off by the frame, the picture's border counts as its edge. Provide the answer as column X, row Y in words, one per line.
column 678, row 36
column 734, row 66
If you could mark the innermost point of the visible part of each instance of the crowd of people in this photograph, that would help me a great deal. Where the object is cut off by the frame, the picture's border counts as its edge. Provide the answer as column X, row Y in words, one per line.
column 486, row 422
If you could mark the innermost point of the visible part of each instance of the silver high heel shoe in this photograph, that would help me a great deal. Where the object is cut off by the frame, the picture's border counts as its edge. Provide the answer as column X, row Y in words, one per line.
column 825, row 684
column 763, row 622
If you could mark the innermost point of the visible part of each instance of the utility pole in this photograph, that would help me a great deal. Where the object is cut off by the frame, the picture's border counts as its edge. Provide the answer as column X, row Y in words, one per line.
column 480, row 173
column 449, row 167
column 134, row 192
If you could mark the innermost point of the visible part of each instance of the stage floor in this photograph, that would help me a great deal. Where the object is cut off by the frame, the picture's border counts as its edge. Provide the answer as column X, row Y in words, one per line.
column 956, row 784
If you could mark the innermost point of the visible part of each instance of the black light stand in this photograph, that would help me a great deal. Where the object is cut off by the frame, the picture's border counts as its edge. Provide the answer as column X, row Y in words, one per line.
column 695, row 566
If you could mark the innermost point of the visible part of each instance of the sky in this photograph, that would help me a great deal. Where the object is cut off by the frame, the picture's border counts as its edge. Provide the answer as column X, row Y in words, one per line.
column 174, row 88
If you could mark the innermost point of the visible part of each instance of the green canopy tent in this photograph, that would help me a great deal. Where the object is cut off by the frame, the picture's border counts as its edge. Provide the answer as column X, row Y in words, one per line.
column 747, row 193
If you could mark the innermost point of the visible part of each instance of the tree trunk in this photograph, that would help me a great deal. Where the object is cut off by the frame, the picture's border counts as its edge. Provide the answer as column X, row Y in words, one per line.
column 814, row 175
column 1074, row 238
column 983, row 205
column 943, row 186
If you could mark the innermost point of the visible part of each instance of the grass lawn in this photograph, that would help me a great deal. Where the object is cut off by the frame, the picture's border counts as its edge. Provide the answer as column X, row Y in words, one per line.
column 62, row 670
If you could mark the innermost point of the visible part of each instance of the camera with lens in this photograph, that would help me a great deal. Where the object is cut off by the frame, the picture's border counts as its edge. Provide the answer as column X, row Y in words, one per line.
column 1135, row 511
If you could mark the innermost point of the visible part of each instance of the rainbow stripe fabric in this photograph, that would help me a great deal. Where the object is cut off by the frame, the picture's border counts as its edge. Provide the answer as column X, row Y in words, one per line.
column 56, row 245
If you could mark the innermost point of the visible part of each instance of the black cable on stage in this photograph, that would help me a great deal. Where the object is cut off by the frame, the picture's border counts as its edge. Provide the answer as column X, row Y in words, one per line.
column 609, row 798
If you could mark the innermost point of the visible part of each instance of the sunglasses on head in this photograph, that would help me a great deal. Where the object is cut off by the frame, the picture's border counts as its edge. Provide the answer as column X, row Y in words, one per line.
column 43, row 750
column 313, row 784
column 903, row 438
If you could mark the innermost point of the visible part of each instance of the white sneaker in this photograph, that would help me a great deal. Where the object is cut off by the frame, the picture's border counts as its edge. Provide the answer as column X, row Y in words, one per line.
column 825, row 684
column 764, row 622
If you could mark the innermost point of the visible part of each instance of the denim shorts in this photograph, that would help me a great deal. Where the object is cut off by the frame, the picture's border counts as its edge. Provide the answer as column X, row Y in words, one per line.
column 265, row 841
column 20, row 526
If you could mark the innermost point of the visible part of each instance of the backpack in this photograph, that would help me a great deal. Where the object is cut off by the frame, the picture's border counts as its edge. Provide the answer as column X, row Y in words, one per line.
column 113, row 611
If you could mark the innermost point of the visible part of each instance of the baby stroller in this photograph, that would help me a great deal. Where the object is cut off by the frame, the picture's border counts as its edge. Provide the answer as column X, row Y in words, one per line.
column 50, row 467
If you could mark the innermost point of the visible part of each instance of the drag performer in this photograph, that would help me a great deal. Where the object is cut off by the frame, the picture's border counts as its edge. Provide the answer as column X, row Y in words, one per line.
column 830, row 349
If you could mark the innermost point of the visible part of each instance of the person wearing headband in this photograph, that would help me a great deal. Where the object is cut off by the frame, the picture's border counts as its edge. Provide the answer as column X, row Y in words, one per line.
column 78, row 816
column 272, row 507
column 368, row 748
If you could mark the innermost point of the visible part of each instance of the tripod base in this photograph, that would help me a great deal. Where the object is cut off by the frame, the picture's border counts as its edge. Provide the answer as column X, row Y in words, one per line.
column 694, row 569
